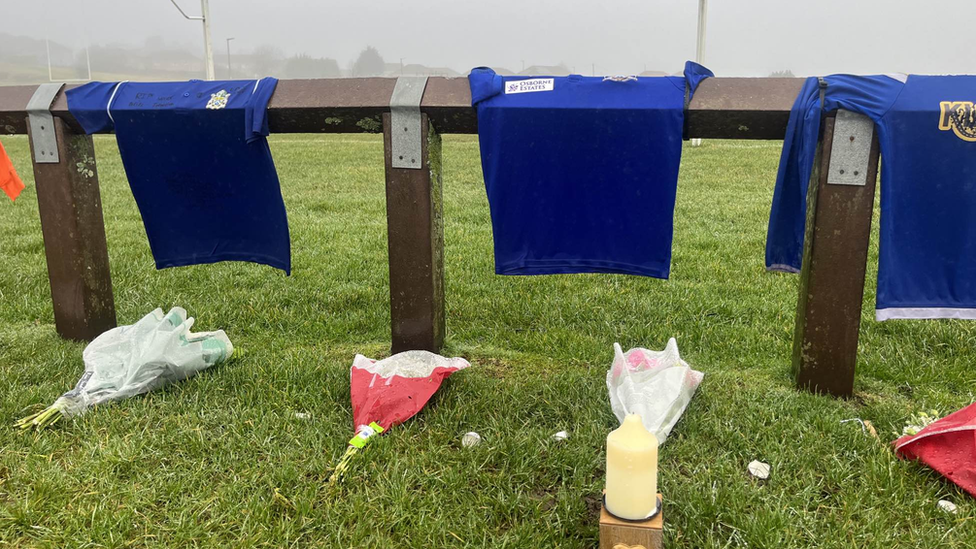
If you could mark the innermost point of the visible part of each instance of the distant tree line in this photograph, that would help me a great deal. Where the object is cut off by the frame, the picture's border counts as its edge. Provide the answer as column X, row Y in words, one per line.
column 269, row 60
column 369, row 63
column 25, row 60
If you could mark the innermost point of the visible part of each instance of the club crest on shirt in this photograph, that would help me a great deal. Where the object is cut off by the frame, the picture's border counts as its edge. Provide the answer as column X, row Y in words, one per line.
column 218, row 100
column 960, row 117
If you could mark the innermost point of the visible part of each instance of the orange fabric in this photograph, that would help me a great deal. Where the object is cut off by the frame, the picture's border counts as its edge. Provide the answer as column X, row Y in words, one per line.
column 9, row 182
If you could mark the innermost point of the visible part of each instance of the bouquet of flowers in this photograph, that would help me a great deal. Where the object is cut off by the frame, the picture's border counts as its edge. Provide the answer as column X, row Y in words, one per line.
column 388, row 392
column 131, row 360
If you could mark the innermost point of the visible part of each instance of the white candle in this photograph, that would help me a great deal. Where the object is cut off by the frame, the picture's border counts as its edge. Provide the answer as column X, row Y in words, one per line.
column 631, row 470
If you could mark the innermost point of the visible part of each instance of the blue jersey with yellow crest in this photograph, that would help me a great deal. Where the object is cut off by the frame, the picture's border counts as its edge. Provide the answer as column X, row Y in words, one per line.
column 581, row 172
column 926, row 129
column 198, row 164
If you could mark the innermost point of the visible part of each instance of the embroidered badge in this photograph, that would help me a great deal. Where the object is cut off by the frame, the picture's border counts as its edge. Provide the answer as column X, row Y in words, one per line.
column 960, row 117
column 218, row 100
column 621, row 78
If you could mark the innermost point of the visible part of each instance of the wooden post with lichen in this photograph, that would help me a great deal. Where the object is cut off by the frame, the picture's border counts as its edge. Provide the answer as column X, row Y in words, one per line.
column 828, row 312
column 70, row 208
column 414, row 208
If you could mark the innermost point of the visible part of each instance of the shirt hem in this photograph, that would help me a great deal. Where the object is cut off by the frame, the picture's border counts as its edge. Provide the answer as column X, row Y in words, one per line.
column 543, row 267
column 781, row 268
column 923, row 313
column 250, row 258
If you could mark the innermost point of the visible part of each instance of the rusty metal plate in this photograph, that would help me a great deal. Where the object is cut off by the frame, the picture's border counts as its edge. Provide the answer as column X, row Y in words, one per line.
column 850, row 150
column 405, row 122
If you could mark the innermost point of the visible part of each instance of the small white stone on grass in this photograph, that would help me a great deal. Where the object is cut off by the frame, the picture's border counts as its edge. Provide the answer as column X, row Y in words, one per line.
column 560, row 436
column 470, row 439
column 759, row 469
column 947, row 506
column 302, row 415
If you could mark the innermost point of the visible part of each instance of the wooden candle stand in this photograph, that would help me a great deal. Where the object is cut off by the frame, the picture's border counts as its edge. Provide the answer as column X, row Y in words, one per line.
column 618, row 533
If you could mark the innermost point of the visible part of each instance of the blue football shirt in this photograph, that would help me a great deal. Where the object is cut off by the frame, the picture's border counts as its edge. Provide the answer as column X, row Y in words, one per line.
column 198, row 164
column 927, row 133
column 581, row 172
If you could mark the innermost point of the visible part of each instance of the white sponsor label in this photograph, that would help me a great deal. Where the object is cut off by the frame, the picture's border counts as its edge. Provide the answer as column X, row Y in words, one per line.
column 533, row 85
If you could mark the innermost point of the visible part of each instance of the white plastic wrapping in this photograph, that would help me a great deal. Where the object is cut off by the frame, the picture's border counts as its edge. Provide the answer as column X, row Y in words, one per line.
column 656, row 385
column 131, row 360
column 408, row 364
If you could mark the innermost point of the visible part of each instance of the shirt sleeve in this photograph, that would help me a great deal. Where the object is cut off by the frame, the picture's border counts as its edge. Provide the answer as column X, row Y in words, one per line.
column 872, row 96
column 694, row 74
column 484, row 84
column 89, row 105
column 256, row 110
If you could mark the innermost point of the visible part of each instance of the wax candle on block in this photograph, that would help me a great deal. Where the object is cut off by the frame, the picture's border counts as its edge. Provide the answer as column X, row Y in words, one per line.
column 631, row 470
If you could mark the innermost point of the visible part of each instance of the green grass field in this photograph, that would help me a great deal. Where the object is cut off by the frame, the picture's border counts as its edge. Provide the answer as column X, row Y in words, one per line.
column 223, row 460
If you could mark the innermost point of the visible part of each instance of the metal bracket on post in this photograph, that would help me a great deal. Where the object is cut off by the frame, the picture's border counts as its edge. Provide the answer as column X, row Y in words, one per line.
column 43, row 137
column 850, row 149
column 405, row 122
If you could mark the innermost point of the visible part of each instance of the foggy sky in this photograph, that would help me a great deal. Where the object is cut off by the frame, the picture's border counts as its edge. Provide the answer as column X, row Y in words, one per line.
column 745, row 37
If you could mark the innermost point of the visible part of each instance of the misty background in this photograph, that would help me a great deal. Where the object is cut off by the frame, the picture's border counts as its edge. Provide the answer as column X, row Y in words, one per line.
column 150, row 40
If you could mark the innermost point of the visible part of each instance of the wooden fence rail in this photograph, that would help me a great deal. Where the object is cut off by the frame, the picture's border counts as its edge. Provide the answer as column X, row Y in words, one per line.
column 727, row 108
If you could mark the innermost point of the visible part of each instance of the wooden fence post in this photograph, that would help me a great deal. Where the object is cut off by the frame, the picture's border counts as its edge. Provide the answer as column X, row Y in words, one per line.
column 414, row 213
column 74, row 237
column 839, row 209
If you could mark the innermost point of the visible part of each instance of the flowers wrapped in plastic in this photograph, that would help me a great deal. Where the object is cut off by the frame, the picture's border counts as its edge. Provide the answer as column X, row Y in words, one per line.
column 656, row 385
column 130, row 360
column 388, row 392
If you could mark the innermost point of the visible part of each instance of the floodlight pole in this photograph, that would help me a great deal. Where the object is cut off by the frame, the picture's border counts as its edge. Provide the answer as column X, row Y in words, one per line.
column 229, row 75
column 702, row 19
column 50, row 73
column 207, row 42
column 700, row 50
